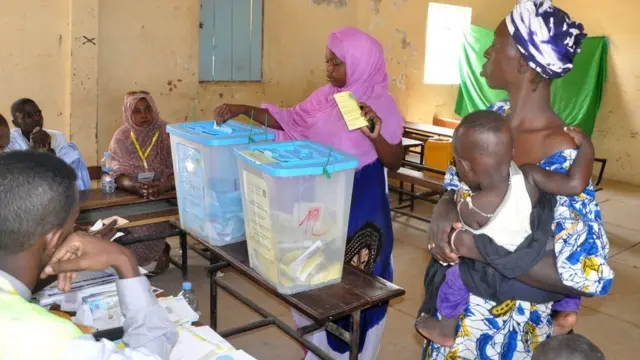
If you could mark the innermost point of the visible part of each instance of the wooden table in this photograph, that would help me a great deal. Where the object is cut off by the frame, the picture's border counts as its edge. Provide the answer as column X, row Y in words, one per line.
column 408, row 144
column 428, row 130
column 356, row 292
column 152, row 216
column 96, row 199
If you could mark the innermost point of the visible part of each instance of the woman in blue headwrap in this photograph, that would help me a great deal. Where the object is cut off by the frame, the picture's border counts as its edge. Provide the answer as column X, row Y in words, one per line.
column 535, row 44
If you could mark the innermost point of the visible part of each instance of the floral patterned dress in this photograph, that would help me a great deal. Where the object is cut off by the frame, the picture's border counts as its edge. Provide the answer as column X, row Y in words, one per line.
column 513, row 329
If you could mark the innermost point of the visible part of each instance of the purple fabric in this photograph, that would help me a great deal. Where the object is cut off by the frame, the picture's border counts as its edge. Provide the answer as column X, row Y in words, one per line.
column 453, row 296
column 569, row 304
column 318, row 118
column 546, row 36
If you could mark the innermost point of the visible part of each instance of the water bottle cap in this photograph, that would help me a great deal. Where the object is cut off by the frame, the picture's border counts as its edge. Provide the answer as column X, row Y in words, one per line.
column 186, row 285
column 107, row 154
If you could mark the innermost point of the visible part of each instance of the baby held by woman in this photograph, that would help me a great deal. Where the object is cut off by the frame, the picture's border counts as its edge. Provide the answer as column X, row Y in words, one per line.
column 499, row 204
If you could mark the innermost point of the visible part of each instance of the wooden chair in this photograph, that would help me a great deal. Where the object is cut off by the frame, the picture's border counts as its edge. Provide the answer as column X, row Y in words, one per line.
column 95, row 173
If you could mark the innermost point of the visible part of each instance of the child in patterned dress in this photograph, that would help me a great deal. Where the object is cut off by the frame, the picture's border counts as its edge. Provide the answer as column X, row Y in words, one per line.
column 499, row 204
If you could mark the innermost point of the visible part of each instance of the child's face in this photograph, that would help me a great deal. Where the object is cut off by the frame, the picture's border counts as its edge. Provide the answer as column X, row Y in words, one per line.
column 464, row 171
column 30, row 118
column 463, row 162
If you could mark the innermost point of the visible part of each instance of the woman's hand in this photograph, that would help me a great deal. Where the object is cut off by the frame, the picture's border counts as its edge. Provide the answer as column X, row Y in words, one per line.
column 223, row 113
column 579, row 137
column 442, row 221
column 136, row 188
column 371, row 115
column 153, row 190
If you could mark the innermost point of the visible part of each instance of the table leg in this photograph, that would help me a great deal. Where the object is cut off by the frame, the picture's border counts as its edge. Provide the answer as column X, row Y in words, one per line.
column 422, row 154
column 213, row 301
column 413, row 200
column 183, row 250
column 400, row 194
column 355, row 336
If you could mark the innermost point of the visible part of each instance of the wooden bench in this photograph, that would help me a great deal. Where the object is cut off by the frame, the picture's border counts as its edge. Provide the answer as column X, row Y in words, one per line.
column 432, row 180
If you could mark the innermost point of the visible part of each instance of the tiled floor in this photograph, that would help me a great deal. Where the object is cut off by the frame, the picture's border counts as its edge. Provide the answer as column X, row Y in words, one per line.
column 611, row 322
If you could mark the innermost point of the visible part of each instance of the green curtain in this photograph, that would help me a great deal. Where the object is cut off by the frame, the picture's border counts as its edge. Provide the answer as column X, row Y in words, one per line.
column 576, row 97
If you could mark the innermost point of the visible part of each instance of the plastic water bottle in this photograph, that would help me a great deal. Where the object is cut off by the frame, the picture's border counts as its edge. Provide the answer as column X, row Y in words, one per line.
column 189, row 296
column 107, row 182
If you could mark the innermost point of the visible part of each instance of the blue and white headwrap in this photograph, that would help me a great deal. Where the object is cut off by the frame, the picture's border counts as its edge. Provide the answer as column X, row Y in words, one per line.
column 547, row 38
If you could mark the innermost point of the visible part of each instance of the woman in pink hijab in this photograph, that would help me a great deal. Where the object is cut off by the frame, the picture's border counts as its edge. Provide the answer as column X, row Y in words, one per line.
column 355, row 63
column 141, row 160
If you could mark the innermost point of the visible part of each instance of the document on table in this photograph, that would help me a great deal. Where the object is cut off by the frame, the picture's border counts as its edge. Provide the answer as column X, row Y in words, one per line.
column 85, row 284
column 100, row 224
column 179, row 311
column 350, row 110
column 199, row 343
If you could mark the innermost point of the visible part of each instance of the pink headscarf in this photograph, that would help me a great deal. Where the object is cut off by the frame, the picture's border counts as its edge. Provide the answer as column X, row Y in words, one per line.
column 318, row 117
column 124, row 156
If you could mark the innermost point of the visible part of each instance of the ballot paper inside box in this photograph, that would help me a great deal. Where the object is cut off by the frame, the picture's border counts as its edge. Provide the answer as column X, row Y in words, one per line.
column 296, row 201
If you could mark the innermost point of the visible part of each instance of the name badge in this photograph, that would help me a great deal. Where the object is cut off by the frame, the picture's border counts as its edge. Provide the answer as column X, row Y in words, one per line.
column 146, row 176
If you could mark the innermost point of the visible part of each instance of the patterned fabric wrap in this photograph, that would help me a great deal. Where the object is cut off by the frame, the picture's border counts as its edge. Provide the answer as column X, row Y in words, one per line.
column 513, row 329
column 547, row 38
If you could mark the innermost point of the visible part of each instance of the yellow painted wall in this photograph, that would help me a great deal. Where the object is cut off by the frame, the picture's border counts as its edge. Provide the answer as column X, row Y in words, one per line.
column 401, row 26
column 34, row 56
column 153, row 45
column 616, row 135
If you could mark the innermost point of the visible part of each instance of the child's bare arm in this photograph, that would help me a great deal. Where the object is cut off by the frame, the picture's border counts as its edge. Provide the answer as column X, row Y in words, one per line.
column 578, row 177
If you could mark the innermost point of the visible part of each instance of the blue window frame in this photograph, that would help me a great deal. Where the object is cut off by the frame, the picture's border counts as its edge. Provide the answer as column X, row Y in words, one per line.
column 230, row 40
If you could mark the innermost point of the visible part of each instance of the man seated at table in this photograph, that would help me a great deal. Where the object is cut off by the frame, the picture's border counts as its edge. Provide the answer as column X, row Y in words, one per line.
column 39, row 208
column 4, row 133
column 30, row 134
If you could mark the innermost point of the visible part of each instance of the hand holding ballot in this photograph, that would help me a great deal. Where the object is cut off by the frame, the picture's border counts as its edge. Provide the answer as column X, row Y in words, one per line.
column 372, row 131
column 81, row 251
column 358, row 116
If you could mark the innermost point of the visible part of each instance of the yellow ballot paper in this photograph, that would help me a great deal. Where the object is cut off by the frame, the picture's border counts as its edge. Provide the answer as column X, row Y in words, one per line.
column 350, row 110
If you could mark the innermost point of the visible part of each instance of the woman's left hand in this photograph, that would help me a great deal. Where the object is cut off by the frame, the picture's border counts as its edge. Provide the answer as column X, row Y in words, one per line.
column 369, row 114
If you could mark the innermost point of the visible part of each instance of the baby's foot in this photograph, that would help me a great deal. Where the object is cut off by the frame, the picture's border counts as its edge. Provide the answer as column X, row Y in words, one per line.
column 563, row 322
column 442, row 331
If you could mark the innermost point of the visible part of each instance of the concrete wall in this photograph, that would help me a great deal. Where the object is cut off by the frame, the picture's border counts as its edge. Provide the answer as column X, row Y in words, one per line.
column 616, row 135
column 84, row 55
column 401, row 26
column 35, row 58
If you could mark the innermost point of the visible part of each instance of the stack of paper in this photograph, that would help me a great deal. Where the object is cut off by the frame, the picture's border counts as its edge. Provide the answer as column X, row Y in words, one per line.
column 101, row 311
column 86, row 283
column 178, row 310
